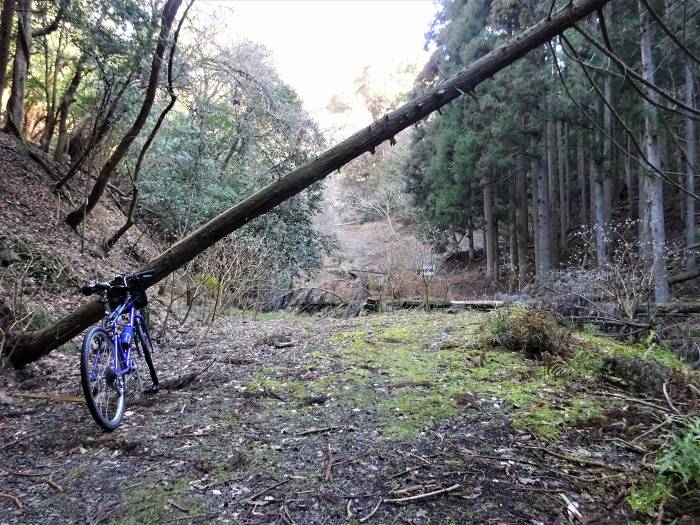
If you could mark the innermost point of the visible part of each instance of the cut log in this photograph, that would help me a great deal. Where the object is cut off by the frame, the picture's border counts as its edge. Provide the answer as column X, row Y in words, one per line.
column 27, row 347
column 372, row 304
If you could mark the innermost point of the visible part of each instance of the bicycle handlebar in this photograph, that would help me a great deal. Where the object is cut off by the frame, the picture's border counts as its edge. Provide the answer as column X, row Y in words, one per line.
column 120, row 281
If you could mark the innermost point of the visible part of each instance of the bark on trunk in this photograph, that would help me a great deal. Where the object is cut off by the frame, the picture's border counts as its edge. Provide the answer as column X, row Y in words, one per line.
column 553, row 181
column 6, row 18
column 644, row 206
column 534, row 178
column 512, row 230
column 597, row 194
column 690, row 138
column 521, row 219
column 544, row 227
column 582, row 178
column 29, row 346
column 629, row 182
column 75, row 217
column 66, row 101
column 489, row 230
column 563, row 188
column 607, row 174
column 654, row 186
column 151, row 136
column 15, row 104
column 598, row 209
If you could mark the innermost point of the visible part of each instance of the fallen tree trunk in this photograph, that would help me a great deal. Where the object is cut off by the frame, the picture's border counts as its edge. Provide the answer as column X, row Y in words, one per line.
column 27, row 347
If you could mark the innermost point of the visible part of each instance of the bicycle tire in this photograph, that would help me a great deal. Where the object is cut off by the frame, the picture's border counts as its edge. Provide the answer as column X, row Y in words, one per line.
column 96, row 358
column 146, row 347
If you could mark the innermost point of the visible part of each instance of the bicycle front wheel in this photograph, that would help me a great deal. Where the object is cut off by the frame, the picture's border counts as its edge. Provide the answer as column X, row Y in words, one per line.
column 144, row 349
column 105, row 392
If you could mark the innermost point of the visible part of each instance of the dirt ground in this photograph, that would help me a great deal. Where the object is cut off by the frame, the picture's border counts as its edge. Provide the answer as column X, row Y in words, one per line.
column 392, row 418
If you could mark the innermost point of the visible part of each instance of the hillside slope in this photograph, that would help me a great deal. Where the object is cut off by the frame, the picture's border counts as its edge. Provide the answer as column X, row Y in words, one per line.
column 43, row 260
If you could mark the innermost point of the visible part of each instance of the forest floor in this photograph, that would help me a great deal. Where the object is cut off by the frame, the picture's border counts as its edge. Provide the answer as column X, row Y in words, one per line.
column 319, row 420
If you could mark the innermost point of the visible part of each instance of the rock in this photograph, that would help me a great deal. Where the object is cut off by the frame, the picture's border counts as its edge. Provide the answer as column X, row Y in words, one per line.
column 5, row 399
column 97, row 254
column 9, row 257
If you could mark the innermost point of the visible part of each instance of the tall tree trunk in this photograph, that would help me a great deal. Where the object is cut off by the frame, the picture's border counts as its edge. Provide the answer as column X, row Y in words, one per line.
column 644, row 205
column 607, row 174
column 562, row 155
column 167, row 17
column 489, row 231
column 598, row 209
column 654, row 186
column 470, row 239
column 597, row 194
column 544, row 226
column 512, row 231
column 691, row 154
column 151, row 136
column 521, row 219
column 15, row 104
column 553, row 180
column 27, row 347
column 534, row 182
column 582, row 178
column 6, row 18
column 629, row 182
column 52, row 113
column 63, row 111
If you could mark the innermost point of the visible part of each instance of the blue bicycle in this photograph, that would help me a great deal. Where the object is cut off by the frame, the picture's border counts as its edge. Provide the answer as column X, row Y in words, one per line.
column 112, row 350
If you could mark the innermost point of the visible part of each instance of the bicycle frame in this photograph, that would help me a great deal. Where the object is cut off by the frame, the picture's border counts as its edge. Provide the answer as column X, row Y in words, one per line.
column 111, row 324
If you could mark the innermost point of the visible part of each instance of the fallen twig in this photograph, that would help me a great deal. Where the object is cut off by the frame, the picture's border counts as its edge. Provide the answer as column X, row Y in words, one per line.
column 499, row 458
column 328, row 474
column 50, row 397
column 194, row 517
column 374, row 510
column 580, row 461
column 15, row 499
column 316, row 431
column 9, row 444
column 352, row 459
column 571, row 507
column 181, row 382
column 423, row 496
column 668, row 399
column 406, row 490
column 177, row 506
column 407, row 471
column 654, row 428
column 633, row 400
column 265, row 491
column 54, row 485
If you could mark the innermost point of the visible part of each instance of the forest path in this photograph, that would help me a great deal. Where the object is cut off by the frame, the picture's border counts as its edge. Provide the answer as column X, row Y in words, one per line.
column 307, row 420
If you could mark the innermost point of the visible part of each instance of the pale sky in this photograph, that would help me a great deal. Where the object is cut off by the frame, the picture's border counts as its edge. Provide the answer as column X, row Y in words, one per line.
column 321, row 46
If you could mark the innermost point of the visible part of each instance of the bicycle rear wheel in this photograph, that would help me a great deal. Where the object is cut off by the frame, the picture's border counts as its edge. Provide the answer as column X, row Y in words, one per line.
column 104, row 391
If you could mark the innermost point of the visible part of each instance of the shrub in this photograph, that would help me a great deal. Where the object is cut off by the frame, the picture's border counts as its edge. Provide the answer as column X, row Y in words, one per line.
column 680, row 465
column 528, row 330
column 677, row 479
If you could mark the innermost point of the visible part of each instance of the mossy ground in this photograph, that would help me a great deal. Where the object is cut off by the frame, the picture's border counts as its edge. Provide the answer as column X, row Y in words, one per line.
column 395, row 400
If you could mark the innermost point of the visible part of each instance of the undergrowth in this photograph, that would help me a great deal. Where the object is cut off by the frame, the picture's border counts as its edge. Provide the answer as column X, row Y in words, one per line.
column 677, row 478
column 528, row 330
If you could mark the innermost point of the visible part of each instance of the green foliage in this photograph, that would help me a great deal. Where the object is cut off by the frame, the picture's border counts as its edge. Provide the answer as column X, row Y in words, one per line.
column 218, row 147
column 677, row 472
column 680, row 465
